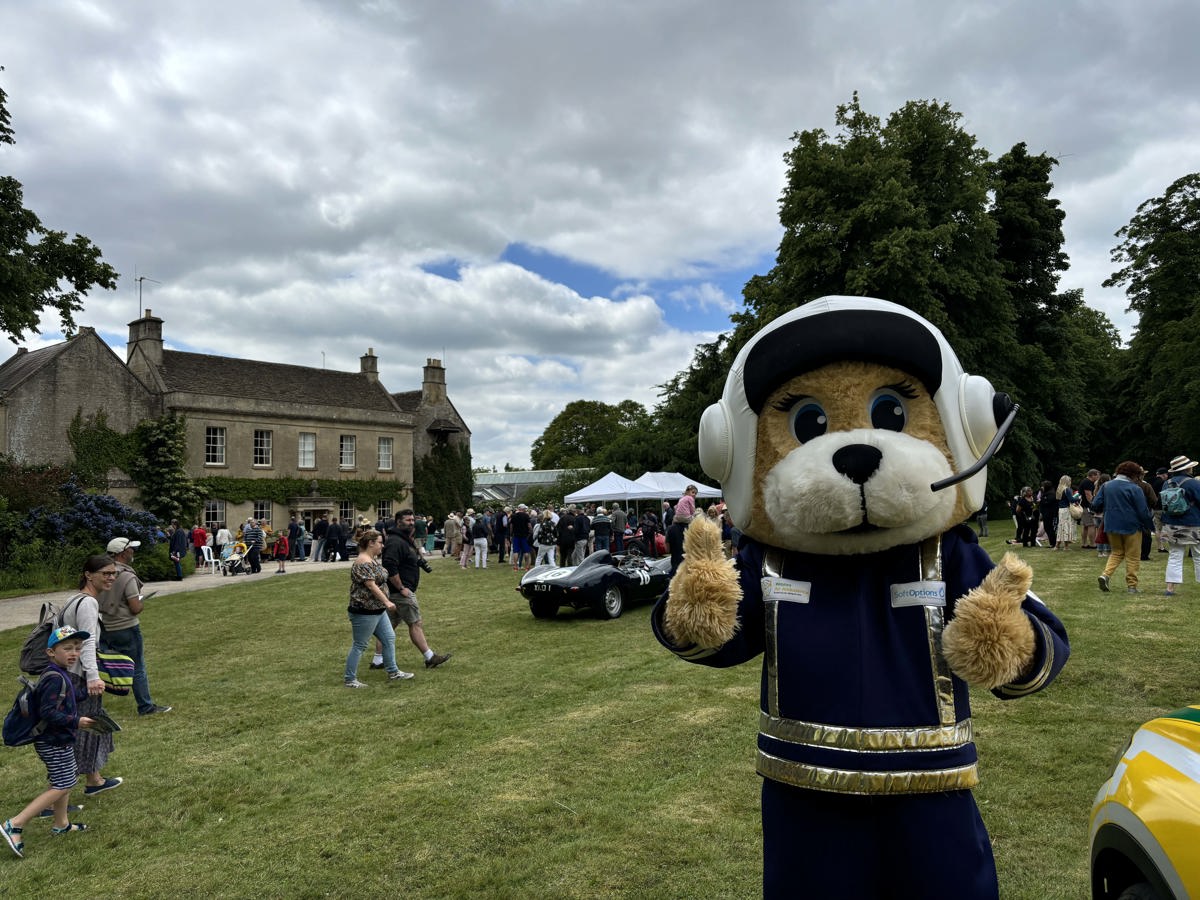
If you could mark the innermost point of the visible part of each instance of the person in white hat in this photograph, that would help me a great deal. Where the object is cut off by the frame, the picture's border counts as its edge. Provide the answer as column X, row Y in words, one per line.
column 120, row 605
column 1180, row 527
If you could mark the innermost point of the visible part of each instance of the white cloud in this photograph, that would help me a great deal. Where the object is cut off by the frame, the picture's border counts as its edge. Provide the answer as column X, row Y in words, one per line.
column 286, row 168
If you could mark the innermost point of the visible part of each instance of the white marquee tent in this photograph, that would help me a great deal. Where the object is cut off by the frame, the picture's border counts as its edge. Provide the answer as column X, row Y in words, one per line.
column 611, row 487
column 671, row 485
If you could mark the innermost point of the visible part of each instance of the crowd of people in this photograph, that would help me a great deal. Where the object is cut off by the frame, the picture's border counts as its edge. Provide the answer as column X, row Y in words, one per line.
column 1121, row 515
column 565, row 535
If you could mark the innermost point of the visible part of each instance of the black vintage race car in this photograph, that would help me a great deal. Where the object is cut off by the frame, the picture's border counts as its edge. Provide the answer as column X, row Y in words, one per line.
column 602, row 582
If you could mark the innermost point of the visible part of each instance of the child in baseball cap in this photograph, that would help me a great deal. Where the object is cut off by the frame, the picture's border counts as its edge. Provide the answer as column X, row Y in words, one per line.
column 54, row 697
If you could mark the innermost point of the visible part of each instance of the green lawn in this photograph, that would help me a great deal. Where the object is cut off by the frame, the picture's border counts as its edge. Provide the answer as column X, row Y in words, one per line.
column 571, row 758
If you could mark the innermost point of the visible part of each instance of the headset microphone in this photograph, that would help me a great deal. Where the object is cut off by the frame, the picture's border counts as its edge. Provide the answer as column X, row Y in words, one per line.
column 987, row 454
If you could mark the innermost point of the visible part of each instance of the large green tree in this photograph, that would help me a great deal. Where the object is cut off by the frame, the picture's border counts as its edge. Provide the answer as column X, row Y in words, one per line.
column 895, row 210
column 40, row 268
column 1064, row 350
column 1158, row 393
column 579, row 435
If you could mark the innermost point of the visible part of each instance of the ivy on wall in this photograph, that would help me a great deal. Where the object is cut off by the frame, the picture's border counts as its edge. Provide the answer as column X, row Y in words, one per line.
column 97, row 449
column 364, row 494
column 442, row 481
column 154, row 453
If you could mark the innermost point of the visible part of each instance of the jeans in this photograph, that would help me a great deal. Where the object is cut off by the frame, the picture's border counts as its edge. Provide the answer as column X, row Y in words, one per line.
column 602, row 541
column 545, row 555
column 481, row 552
column 129, row 641
column 363, row 626
column 318, row 549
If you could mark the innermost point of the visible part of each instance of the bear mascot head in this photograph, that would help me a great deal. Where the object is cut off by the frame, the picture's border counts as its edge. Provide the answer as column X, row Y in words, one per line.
column 850, row 444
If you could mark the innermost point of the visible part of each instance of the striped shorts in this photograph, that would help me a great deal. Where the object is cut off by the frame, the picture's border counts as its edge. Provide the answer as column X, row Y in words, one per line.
column 60, row 764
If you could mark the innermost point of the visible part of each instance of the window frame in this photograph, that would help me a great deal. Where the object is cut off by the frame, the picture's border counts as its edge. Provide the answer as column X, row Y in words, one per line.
column 216, row 443
column 347, row 442
column 391, row 453
column 300, row 450
column 262, row 456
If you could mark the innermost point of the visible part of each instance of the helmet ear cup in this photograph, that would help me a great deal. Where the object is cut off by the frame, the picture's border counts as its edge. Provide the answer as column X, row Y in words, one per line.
column 715, row 442
column 981, row 411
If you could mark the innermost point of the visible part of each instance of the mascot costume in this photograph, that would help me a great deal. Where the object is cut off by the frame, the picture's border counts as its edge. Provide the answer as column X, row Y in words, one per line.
column 849, row 444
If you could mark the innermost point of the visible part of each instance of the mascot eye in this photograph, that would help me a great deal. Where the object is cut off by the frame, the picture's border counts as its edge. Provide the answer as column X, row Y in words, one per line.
column 887, row 410
column 808, row 421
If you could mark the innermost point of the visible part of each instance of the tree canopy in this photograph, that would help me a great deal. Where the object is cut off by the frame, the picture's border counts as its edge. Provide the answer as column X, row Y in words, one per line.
column 40, row 268
column 578, row 437
column 913, row 210
column 1159, row 259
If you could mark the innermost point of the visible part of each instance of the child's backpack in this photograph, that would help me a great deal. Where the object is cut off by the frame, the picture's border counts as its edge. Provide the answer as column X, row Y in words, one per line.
column 1173, row 499
column 24, row 722
column 33, row 651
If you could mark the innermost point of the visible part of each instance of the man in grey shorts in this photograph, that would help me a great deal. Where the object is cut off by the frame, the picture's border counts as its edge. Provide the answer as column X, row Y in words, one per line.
column 404, row 563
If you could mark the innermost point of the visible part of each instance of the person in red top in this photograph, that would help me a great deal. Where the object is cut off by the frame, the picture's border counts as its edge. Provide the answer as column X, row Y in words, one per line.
column 281, row 553
column 199, row 539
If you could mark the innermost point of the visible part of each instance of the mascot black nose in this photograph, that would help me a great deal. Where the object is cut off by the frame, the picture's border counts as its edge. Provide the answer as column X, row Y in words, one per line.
column 857, row 462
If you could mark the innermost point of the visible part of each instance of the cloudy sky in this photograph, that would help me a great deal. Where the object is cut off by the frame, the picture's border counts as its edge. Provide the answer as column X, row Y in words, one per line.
column 558, row 198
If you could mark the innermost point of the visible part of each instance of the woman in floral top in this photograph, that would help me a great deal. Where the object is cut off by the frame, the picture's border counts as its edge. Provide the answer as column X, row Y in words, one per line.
column 368, row 608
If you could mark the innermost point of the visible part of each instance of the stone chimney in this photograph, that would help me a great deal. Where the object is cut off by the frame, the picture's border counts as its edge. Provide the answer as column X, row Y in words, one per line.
column 369, row 365
column 145, row 347
column 433, row 388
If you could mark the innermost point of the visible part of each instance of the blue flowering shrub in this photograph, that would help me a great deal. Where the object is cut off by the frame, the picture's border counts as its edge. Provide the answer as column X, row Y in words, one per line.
column 47, row 546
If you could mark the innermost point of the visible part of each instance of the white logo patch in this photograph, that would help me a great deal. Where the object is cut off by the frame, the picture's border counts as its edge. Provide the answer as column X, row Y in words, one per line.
column 919, row 593
column 786, row 589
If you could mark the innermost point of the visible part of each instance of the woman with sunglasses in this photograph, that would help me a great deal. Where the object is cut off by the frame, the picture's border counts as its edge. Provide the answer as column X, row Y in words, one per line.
column 82, row 613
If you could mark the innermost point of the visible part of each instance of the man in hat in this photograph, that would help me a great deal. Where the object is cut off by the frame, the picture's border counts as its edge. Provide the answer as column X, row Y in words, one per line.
column 120, row 605
column 1181, row 528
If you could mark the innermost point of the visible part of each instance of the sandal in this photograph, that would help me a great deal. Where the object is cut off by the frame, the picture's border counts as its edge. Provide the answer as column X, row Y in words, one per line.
column 71, row 826
column 9, row 831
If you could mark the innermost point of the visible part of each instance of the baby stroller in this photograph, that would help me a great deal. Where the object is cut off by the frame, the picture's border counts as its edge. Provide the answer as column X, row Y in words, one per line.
column 233, row 560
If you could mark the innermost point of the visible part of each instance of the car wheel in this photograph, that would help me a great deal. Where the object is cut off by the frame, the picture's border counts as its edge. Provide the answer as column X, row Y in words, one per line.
column 543, row 609
column 613, row 603
column 1140, row 891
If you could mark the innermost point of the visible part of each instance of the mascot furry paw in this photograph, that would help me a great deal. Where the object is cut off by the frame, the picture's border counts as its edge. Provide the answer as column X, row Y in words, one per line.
column 849, row 443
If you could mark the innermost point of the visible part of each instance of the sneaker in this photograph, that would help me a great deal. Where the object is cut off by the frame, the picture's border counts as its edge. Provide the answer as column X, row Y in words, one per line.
column 436, row 660
column 356, row 684
column 49, row 813
column 108, row 785
column 155, row 709
column 1103, row 579
column 1132, row 591
column 1168, row 593
column 398, row 675
column 376, row 665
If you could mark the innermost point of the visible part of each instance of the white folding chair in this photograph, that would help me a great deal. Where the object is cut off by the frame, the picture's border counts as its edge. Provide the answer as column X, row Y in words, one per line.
column 209, row 560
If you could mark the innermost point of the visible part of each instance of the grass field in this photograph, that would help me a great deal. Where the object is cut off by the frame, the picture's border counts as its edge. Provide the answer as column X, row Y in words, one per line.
column 569, row 758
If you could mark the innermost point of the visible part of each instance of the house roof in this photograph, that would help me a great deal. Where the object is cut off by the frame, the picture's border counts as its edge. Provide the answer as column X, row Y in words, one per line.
column 409, row 401
column 18, row 368
column 204, row 374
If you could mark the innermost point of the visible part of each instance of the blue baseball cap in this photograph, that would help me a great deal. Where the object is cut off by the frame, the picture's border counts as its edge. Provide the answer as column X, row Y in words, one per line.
column 65, row 633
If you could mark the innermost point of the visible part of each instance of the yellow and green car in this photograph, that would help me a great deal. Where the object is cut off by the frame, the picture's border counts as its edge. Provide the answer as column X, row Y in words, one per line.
column 1145, row 833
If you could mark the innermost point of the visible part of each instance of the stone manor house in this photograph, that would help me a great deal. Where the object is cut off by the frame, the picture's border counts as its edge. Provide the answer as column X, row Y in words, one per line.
column 245, row 418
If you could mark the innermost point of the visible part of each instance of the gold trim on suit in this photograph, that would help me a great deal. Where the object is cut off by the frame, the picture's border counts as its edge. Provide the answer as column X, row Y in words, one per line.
column 852, row 782
column 843, row 737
